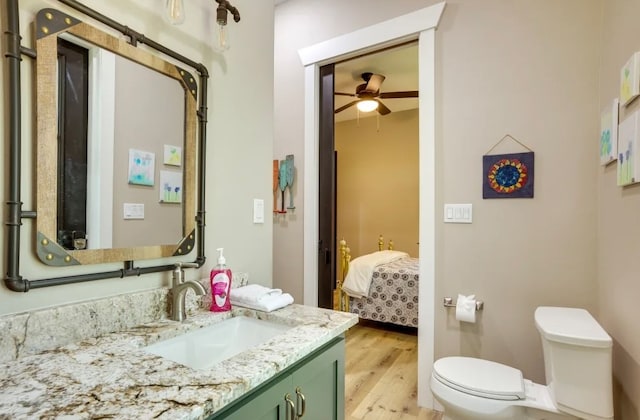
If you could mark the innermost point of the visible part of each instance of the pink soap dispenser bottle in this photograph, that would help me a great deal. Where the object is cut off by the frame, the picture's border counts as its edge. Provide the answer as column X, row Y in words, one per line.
column 220, row 285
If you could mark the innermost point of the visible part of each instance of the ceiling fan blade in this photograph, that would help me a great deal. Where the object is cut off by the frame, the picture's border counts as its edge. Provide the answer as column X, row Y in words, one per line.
column 382, row 109
column 344, row 94
column 342, row 108
column 374, row 82
column 400, row 94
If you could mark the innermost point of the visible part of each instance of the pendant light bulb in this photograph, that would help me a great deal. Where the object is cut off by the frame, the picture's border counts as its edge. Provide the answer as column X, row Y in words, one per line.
column 175, row 11
column 221, row 31
column 222, row 37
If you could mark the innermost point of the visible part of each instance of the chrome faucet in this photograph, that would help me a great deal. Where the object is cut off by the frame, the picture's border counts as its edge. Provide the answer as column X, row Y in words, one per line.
column 179, row 288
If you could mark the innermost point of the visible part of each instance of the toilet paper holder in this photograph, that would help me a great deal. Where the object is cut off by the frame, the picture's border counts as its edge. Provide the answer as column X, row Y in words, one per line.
column 448, row 303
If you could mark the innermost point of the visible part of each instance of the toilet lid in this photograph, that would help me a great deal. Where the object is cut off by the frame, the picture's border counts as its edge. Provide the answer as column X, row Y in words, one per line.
column 481, row 378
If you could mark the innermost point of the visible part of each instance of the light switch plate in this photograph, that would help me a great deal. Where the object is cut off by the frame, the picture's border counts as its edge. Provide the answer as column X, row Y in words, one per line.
column 258, row 210
column 458, row 213
column 133, row 211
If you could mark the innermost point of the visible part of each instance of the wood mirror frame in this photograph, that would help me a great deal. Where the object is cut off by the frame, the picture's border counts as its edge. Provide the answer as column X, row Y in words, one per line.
column 49, row 25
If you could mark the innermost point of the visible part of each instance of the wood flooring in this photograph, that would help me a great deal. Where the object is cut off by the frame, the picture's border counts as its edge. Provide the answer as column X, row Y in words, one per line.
column 381, row 370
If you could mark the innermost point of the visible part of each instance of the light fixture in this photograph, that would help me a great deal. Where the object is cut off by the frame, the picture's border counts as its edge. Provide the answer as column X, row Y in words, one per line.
column 367, row 105
column 175, row 15
column 222, row 42
column 175, row 11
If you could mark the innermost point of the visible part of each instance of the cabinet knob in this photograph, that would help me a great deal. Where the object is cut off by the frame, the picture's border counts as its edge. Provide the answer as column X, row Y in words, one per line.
column 301, row 402
column 291, row 412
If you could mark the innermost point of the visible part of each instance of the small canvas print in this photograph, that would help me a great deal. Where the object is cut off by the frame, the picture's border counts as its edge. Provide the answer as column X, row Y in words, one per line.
column 630, row 79
column 508, row 175
column 141, row 167
column 627, row 146
column 170, row 187
column 609, row 134
column 172, row 155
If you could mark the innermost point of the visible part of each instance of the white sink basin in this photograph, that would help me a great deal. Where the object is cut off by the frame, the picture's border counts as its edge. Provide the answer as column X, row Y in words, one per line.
column 203, row 348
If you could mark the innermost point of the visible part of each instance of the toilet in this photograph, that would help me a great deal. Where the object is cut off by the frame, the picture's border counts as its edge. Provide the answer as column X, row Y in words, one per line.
column 577, row 361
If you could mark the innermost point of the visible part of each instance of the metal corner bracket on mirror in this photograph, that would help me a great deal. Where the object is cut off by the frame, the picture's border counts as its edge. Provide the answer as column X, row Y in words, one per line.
column 106, row 192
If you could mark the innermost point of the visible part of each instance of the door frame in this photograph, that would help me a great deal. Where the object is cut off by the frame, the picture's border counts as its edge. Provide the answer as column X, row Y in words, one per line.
column 327, row 190
column 420, row 25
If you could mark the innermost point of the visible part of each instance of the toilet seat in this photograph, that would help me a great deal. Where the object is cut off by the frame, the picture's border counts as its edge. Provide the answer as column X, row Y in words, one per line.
column 481, row 378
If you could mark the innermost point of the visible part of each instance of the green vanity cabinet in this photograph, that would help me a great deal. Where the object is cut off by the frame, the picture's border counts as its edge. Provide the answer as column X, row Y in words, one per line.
column 266, row 404
column 314, row 386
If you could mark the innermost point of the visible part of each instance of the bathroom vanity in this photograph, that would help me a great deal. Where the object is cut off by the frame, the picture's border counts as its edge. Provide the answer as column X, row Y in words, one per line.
column 113, row 376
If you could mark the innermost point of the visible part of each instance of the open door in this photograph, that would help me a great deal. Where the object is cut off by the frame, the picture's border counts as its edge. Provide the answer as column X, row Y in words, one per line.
column 422, row 25
column 326, row 191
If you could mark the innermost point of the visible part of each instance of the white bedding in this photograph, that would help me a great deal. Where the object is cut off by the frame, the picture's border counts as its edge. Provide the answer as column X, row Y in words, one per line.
column 358, row 279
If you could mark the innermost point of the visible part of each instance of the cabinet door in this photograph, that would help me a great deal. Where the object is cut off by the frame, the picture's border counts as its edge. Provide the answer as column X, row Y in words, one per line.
column 268, row 404
column 321, row 383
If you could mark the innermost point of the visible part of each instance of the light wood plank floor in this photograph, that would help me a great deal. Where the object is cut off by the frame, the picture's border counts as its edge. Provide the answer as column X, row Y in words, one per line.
column 381, row 375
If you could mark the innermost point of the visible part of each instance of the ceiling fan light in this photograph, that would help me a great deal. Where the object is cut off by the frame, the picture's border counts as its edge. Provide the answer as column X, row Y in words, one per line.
column 367, row 105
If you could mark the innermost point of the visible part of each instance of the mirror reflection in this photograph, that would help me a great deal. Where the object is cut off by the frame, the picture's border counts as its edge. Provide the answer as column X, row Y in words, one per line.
column 116, row 157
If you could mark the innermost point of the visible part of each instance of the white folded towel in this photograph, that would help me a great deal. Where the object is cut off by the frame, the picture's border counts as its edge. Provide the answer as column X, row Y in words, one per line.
column 255, row 296
column 254, row 293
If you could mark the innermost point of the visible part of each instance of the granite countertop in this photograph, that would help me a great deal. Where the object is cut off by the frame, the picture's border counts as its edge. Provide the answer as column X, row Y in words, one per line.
column 113, row 377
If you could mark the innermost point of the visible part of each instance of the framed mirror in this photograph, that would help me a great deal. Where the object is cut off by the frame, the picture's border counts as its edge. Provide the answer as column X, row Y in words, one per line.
column 116, row 148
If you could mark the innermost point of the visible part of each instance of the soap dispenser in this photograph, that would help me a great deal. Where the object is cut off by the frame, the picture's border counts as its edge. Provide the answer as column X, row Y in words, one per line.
column 220, row 285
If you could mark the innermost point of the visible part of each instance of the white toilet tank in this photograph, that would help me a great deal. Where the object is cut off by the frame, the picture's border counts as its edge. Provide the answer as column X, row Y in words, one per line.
column 577, row 361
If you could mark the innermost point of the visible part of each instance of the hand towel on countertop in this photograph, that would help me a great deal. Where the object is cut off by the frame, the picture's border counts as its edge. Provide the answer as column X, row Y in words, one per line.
column 254, row 293
column 255, row 296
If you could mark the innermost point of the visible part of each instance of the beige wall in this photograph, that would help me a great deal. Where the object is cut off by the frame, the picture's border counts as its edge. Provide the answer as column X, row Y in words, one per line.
column 238, row 154
column 531, row 69
column 141, row 89
column 377, row 191
column 618, row 208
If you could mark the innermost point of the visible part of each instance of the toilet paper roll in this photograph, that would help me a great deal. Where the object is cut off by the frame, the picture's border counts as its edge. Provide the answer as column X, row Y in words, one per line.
column 466, row 308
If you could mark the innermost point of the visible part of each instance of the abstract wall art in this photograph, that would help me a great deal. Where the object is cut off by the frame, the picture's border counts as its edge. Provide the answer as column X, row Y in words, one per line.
column 609, row 134
column 627, row 150
column 172, row 155
column 508, row 175
column 170, row 187
column 141, row 167
column 630, row 79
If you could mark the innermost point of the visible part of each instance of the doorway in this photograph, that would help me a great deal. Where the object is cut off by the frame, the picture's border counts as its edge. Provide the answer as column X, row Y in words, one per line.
column 419, row 25
column 376, row 163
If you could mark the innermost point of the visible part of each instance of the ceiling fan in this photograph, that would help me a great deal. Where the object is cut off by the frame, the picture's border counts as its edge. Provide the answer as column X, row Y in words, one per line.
column 369, row 92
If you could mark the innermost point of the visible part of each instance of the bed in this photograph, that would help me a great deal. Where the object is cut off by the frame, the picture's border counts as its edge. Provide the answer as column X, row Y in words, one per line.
column 390, row 294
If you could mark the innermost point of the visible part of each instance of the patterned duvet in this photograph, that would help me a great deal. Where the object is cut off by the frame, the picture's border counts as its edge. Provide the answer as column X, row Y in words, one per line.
column 393, row 295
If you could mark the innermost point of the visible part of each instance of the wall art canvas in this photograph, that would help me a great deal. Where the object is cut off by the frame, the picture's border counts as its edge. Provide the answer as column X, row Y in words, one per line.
column 630, row 79
column 628, row 164
column 170, row 187
column 172, row 155
column 508, row 175
column 276, row 181
column 609, row 134
column 141, row 167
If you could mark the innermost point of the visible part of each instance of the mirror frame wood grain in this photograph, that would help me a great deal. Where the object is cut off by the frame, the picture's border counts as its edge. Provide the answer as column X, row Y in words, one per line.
column 49, row 24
